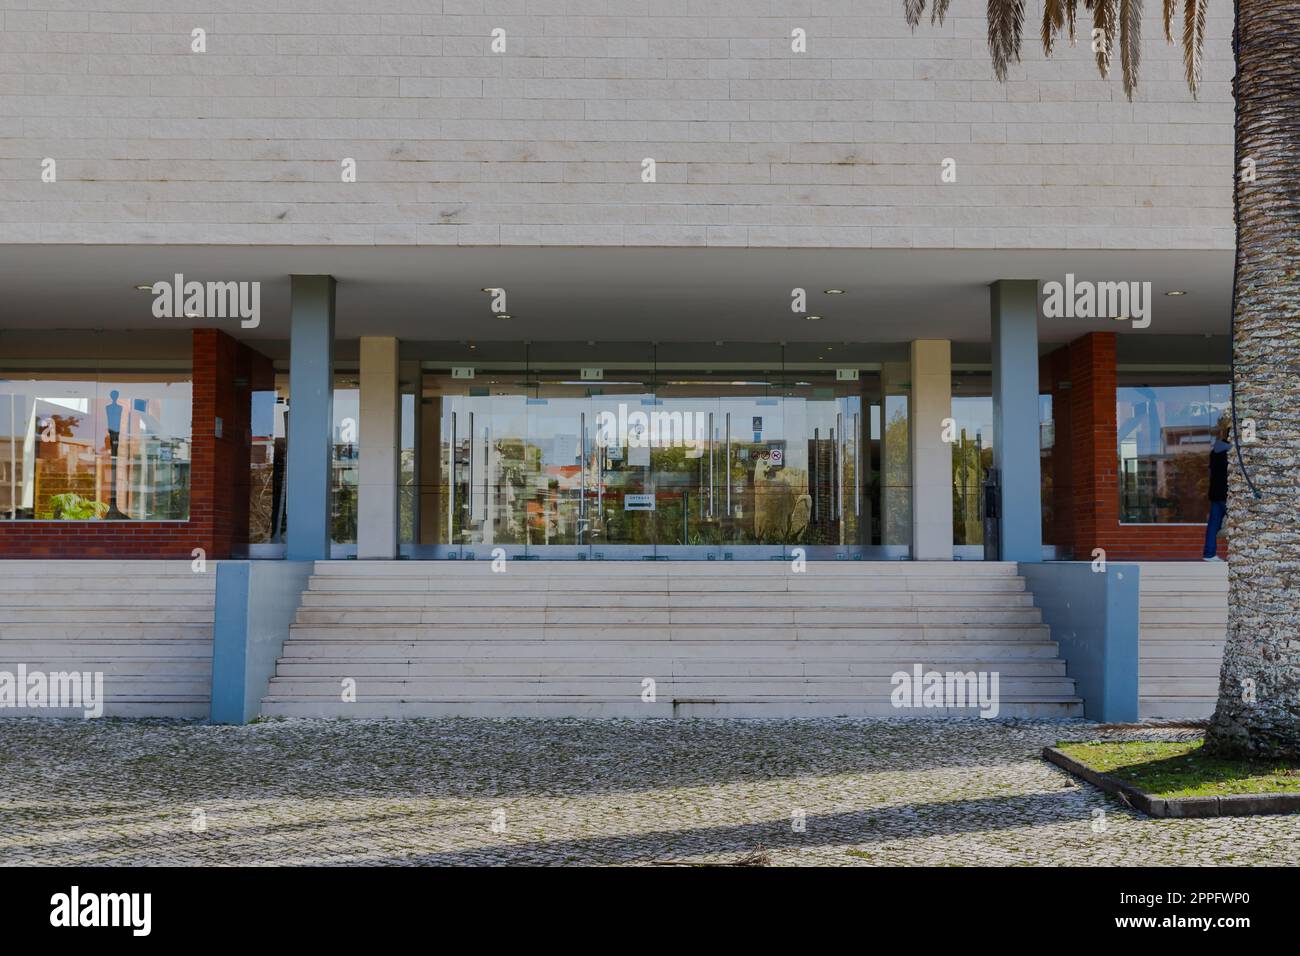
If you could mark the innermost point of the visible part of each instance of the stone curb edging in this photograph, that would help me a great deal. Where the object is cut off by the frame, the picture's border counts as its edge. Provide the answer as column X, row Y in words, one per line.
column 1236, row 805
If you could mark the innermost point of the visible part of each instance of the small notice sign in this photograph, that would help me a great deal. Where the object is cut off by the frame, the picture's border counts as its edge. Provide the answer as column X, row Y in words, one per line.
column 846, row 375
column 638, row 502
column 592, row 374
column 462, row 371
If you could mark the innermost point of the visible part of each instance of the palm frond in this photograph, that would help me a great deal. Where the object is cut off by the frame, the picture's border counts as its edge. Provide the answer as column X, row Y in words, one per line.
column 1193, row 40
column 1104, row 15
column 939, row 12
column 1053, row 21
column 1072, row 16
column 1006, row 26
column 912, row 10
column 1171, row 8
column 1130, row 43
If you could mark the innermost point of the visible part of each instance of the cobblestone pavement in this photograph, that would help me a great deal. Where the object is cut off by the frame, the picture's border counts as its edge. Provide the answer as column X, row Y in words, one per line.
column 462, row 791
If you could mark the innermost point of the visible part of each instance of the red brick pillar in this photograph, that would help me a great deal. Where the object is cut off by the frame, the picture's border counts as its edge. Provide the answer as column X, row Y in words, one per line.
column 223, row 392
column 1094, row 463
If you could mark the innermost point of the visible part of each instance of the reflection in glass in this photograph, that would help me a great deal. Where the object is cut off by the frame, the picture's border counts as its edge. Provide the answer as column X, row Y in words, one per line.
column 345, row 461
column 107, row 444
column 1165, row 428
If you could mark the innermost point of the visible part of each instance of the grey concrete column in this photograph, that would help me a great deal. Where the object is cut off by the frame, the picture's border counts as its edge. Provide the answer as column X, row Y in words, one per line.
column 1014, row 305
column 931, row 454
column 311, row 417
column 379, row 437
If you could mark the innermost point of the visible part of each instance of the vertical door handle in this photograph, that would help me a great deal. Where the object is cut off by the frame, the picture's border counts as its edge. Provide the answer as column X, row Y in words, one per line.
column 470, row 517
column 839, row 465
column 451, row 480
column 857, row 464
column 711, row 436
column 813, row 477
column 726, row 464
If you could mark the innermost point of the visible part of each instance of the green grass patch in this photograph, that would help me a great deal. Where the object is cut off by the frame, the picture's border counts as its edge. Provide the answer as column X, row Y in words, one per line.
column 1180, row 769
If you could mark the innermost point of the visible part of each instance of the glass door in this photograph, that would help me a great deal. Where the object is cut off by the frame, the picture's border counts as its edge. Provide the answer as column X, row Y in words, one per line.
column 588, row 419
column 475, row 490
column 721, row 477
column 827, row 406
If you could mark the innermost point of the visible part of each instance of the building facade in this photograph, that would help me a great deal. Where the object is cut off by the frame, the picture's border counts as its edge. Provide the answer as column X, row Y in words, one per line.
column 606, row 281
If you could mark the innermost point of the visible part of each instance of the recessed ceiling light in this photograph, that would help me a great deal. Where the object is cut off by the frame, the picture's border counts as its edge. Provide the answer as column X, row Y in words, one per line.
column 504, row 315
column 812, row 318
column 192, row 315
column 1120, row 318
column 833, row 291
column 144, row 287
column 1176, row 292
column 488, row 288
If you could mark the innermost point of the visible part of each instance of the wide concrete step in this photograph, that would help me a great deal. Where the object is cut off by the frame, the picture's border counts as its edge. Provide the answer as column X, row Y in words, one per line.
column 185, row 709
column 1191, row 650
column 1170, row 708
column 748, row 706
column 1040, row 667
column 612, row 686
column 488, row 632
column 1185, row 617
column 89, row 630
column 117, row 600
column 88, row 649
column 143, row 616
column 634, row 569
column 889, row 649
column 653, row 584
column 636, row 617
column 848, row 600
column 1179, row 667
column 1169, row 686
column 1181, row 600
column 60, row 583
column 195, row 668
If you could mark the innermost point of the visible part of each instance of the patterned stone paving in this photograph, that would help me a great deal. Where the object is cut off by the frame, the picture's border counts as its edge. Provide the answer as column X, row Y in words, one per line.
column 464, row 791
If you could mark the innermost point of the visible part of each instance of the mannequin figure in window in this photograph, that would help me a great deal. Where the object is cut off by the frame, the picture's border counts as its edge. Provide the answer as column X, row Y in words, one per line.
column 113, row 416
column 1218, row 488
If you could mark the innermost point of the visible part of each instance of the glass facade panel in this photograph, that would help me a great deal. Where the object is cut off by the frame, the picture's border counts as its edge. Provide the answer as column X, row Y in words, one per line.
column 627, row 451
column 1165, row 428
column 268, row 426
column 102, row 444
column 972, row 453
column 345, row 461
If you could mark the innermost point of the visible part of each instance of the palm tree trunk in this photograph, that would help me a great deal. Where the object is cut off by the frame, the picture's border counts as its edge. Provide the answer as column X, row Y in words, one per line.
column 1258, row 711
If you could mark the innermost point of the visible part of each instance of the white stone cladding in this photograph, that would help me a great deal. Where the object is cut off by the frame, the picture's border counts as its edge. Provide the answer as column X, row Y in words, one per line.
column 755, row 145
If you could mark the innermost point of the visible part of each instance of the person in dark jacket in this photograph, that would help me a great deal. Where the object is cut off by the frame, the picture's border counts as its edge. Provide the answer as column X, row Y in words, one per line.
column 1218, row 488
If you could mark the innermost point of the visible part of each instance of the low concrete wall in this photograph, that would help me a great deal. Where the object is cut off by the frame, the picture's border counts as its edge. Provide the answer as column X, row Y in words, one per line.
column 1094, row 619
column 255, row 604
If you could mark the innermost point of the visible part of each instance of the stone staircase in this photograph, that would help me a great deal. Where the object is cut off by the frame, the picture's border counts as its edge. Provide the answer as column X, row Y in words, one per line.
column 146, row 625
column 749, row 639
column 1183, row 624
